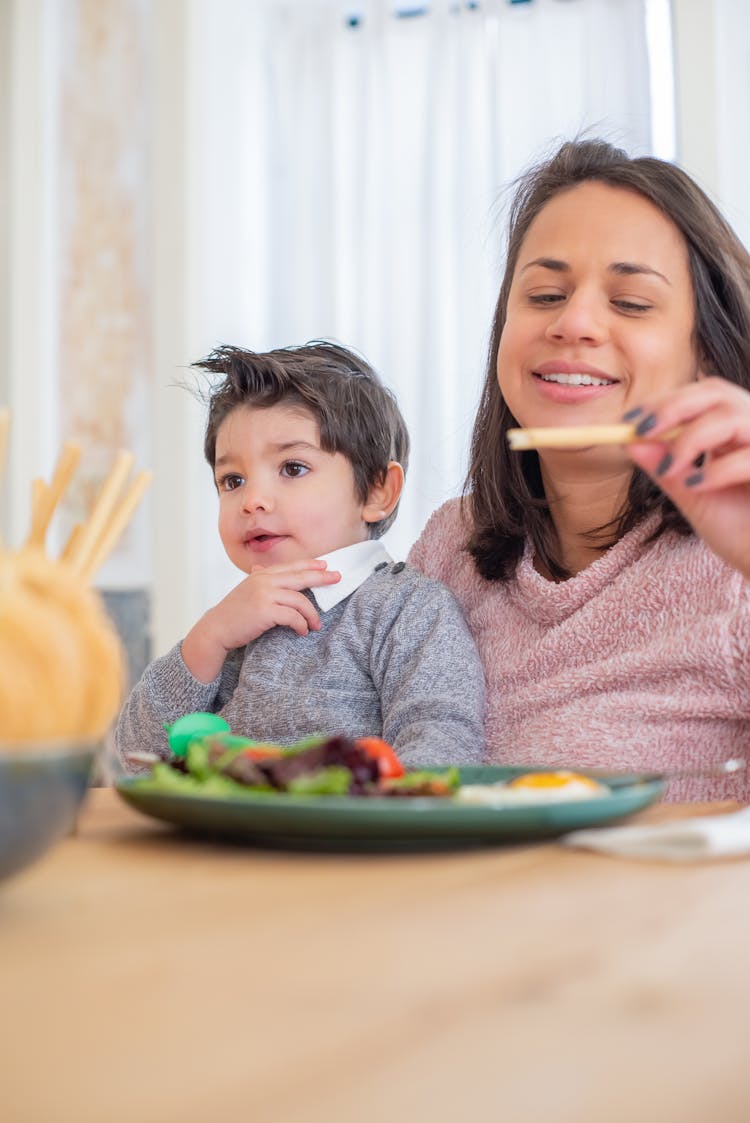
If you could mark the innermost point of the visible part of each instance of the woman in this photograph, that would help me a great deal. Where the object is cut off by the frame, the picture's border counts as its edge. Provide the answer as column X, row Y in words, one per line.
column 606, row 586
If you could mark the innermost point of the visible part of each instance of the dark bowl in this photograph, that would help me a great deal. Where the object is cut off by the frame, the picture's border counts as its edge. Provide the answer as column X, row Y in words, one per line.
column 41, row 791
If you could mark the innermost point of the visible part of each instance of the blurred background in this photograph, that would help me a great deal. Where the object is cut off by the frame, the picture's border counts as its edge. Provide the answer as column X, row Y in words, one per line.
column 176, row 174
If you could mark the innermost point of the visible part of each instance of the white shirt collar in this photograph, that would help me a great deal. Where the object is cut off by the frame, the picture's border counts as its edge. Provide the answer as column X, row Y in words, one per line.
column 355, row 564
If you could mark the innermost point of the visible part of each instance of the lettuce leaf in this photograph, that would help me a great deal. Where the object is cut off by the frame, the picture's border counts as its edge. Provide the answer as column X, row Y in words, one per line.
column 326, row 781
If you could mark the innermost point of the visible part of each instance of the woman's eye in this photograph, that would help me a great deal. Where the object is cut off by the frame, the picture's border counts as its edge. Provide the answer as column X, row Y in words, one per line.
column 294, row 469
column 546, row 297
column 631, row 306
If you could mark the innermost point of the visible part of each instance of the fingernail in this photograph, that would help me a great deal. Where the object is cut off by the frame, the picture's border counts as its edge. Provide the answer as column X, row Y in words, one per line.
column 696, row 478
column 664, row 464
column 699, row 460
column 632, row 413
column 646, row 425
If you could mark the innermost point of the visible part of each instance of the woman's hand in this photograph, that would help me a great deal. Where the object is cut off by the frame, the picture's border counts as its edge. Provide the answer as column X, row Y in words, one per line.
column 705, row 468
column 268, row 597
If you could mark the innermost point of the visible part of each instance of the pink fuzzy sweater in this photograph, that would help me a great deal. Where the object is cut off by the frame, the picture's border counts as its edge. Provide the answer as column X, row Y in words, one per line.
column 641, row 661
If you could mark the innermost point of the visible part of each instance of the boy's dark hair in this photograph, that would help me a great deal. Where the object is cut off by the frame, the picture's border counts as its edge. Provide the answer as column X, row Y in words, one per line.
column 504, row 491
column 356, row 414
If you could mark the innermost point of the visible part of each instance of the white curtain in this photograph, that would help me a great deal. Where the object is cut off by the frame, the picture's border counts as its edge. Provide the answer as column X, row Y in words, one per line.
column 346, row 177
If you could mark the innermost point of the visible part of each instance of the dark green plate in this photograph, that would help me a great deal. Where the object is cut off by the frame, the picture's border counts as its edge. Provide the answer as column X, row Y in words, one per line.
column 343, row 823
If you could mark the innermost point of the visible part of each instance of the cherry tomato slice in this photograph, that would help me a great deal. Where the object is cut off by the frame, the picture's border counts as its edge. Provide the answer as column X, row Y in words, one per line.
column 389, row 765
column 262, row 752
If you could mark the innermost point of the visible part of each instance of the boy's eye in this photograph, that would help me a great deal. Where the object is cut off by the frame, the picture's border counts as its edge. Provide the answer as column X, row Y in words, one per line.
column 230, row 482
column 293, row 469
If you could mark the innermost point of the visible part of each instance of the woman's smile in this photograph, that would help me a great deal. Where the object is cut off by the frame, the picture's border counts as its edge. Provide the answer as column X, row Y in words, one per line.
column 564, row 382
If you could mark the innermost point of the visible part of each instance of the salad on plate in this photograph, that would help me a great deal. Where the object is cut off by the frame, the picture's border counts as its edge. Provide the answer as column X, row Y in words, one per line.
column 208, row 760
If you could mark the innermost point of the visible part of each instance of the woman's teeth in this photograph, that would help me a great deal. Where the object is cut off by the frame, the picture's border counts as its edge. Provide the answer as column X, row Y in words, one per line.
column 576, row 379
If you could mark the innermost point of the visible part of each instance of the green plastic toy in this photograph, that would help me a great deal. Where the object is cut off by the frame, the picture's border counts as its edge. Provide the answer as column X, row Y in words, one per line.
column 192, row 726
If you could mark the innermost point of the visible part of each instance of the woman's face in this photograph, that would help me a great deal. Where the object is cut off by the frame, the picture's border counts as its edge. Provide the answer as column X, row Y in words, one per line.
column 600, row 310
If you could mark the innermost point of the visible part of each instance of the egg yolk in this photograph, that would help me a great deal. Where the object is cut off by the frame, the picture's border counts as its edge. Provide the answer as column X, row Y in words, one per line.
column 552, row 780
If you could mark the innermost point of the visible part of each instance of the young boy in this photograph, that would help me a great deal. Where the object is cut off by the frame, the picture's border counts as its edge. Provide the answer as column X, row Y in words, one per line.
column 324, row 634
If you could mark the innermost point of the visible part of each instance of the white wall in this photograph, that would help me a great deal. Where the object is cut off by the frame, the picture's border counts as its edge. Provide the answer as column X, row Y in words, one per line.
column 712, row 74
column 25, row 226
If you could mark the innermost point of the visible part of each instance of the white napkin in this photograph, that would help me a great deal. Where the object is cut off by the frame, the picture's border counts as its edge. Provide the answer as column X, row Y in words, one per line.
column 684, row 840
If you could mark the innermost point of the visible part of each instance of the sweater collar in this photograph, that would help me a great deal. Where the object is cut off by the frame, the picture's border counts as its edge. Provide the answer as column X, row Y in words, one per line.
column 355, row 564
column 551, row 602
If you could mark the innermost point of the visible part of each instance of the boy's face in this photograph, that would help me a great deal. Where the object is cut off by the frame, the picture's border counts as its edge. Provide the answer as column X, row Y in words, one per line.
column 281, row 497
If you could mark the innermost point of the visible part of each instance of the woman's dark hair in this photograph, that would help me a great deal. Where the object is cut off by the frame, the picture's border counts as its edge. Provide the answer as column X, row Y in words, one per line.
column 356, row 414
column 504, row 490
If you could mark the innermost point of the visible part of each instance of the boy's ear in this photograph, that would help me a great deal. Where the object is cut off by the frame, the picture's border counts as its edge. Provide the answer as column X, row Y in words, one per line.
column 385, row 495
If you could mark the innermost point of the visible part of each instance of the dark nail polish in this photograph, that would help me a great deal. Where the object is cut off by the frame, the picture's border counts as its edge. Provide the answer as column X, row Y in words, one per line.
column 632, row 414
column 664, row 464
column 646, row 425
column 696, row 478
column 699, row 460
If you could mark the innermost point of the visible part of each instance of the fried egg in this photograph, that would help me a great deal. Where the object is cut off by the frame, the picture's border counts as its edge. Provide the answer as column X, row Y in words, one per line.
column 533, row 788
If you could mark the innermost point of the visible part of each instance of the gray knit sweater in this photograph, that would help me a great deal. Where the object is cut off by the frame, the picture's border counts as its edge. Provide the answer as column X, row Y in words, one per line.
column 394, row 659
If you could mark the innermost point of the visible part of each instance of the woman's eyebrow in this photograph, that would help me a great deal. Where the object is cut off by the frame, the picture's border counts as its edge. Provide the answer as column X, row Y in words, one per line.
column 629, row 268
column 622, row 268
column 547, row 263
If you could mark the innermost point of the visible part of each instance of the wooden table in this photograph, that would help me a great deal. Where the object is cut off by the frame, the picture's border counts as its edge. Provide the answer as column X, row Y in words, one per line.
column 146, row 977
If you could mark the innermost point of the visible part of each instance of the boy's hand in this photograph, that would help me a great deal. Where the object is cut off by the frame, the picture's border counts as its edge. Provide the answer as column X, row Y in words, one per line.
column 266, row 598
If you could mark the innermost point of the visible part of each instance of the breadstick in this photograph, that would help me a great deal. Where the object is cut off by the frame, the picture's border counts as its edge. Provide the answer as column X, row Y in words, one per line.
column 580, row 436
column 38, row 502
column 85, row 547
column 45, row 499
column 71, row 546
column 117, row 523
